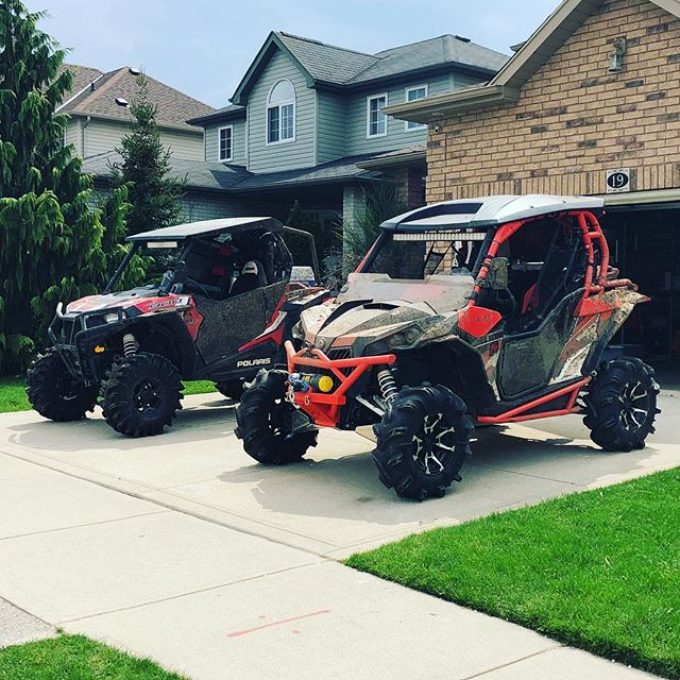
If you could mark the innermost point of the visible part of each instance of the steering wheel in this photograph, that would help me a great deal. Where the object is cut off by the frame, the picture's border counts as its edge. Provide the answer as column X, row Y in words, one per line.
column 206, row 290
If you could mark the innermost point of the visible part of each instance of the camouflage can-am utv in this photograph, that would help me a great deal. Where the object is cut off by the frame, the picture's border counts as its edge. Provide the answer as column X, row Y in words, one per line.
column 220, row 312
column 490, row 311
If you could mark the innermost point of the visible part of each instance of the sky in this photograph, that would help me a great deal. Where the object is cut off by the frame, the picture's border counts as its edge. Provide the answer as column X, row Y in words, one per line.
column 203, row 47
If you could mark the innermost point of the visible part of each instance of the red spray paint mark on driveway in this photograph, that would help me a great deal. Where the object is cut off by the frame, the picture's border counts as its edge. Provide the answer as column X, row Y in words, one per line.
column 239, row 633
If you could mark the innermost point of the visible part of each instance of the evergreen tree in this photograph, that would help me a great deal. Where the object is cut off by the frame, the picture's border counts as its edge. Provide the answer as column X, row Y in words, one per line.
column 145, row 169
column 50, row 235
column 115, row 208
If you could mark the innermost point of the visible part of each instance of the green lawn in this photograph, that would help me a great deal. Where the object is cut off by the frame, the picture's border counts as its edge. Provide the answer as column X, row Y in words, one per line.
column 13, row 393
column 73, row 657
column 598, row 570
column 198, row 387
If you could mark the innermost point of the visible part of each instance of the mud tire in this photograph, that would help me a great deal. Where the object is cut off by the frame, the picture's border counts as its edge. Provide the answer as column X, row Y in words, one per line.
column 399, row 456
column 621, row 405
column 264, row 422
column 54, row 393
column 141, row 395
column 231, row 389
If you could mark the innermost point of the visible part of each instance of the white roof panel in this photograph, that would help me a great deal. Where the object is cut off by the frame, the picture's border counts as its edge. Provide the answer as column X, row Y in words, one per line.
column 206, row 228
column 488, row 211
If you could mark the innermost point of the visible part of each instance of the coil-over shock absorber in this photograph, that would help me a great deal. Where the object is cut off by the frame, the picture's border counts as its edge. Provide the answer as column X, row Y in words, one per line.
column 387, row 384
column 130, row 344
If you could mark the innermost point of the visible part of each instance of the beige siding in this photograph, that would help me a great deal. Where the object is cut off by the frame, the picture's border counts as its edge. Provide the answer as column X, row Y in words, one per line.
column 73, row 136
column 574, row 120
column 101, row 137
column 104, row 136
column 184, row 145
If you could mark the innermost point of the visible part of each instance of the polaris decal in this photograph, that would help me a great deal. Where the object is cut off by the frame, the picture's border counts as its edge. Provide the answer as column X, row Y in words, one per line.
column 173, row 302
column 247, row 363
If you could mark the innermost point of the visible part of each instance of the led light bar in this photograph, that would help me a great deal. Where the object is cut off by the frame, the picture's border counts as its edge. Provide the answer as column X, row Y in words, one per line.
column 448, row 237
column 161, row 244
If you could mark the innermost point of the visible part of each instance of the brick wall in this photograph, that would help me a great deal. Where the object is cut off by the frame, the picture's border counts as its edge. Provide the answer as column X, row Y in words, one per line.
column 575, row 120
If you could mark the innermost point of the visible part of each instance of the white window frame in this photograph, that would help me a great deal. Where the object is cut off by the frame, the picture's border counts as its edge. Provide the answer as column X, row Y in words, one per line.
column 219, row 143
column 369, row 99
column 288, row 140
column 410, row 126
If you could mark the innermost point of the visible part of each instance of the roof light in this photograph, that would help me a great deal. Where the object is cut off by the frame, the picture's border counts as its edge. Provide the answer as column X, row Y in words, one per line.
column 134, row 71
column 462, row 38
column 122, row 102
column 443, row 236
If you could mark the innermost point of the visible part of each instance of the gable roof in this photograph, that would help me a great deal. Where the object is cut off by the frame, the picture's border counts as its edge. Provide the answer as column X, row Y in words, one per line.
column 443, row 50
column 326, row 63
column 330, row 65
column 99, row 99
column 82, row 77
column 505, row 86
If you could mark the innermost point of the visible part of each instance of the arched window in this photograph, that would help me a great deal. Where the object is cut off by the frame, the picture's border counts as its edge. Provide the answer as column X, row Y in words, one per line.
column 281, row 113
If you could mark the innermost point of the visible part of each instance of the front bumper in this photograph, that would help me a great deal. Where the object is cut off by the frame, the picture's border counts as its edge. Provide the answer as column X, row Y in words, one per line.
column 75, row 336
column 324, row 409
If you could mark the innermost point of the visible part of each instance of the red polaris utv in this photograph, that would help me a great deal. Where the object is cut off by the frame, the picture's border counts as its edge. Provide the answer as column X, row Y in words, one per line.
column 490, row 311
column 220, row 312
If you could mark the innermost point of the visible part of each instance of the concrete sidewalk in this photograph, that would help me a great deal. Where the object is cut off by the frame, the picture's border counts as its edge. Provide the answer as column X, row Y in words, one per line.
column 18, row 626
column 332, row 504
column 214, row 603
column 180, row 548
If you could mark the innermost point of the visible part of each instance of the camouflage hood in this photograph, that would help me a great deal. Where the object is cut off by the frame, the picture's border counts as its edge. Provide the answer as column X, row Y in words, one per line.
column 365, row 312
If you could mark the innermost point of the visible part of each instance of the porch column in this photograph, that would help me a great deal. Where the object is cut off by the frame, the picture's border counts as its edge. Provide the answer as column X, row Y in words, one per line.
column 353, row 206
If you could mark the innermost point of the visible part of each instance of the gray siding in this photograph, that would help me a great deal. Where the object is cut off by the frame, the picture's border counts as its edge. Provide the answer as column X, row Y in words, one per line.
column 331, row 121
column 239, row 141
column 203, row 205
column 397, row 135
column 288, row 155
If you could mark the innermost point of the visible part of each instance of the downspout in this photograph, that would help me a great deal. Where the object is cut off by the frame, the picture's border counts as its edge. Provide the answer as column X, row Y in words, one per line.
column 82, row 134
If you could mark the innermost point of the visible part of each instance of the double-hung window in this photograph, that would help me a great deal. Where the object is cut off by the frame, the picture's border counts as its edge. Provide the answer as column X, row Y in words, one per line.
column 281, row 113
column 413, row 94
column 225, row 141
column 376, row 123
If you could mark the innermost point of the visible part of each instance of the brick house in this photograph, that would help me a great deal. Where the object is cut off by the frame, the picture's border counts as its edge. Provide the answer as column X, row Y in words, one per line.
column 590, row 104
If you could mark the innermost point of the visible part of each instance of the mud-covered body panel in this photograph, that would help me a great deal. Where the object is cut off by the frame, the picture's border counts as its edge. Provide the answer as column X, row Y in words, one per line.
column 500, row 358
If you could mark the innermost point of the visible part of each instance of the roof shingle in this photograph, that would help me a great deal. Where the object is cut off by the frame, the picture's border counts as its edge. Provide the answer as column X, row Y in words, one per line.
column 327, row 62
column 199, row 174
column 174, row 107
column 340, row 66
column 235, row 179
column 82, row 77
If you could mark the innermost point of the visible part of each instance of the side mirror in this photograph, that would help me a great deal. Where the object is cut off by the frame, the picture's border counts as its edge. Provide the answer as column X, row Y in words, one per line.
column 497, row 278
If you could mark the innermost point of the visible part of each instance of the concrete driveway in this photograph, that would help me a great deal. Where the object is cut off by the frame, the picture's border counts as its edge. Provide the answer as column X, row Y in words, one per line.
column 332, row 504
column 181, row 548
